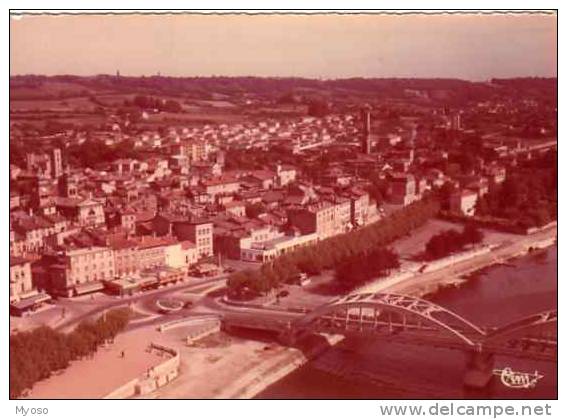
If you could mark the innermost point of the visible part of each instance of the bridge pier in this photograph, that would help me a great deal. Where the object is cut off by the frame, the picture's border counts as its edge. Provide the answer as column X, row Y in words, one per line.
column 479, row 369
column 287, row 338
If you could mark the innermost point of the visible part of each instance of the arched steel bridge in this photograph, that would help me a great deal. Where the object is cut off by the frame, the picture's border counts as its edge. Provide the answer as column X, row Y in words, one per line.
column 406, row 319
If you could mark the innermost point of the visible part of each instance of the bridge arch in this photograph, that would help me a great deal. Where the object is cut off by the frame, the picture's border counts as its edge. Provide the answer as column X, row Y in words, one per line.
column 382, row 306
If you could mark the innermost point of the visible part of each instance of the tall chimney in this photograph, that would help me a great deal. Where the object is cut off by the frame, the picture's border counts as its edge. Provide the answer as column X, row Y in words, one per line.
column 365, row 138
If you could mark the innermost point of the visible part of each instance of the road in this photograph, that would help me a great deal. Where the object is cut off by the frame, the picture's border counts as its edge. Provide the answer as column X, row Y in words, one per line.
column 78, row 309
column 146, row 299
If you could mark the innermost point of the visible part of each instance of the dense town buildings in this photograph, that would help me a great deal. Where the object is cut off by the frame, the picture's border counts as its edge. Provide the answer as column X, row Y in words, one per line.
column 248, row 191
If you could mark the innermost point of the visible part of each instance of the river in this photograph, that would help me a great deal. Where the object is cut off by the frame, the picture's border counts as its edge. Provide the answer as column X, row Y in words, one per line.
column 374, row 369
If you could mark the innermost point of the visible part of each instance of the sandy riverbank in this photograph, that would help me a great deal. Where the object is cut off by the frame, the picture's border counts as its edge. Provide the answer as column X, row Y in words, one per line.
column 109, row 368
column 223, row 366
column 227, row 367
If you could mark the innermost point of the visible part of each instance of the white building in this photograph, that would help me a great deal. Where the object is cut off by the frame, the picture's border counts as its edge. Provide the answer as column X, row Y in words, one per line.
column 464, row 202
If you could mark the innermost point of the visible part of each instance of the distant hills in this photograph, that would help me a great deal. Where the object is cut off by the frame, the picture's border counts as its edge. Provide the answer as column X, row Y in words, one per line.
column 449, row 91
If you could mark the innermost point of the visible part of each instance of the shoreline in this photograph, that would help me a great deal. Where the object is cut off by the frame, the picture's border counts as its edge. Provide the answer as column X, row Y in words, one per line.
column 287, row 360
column 273, row 370
column 407, row 285
column 461, row 274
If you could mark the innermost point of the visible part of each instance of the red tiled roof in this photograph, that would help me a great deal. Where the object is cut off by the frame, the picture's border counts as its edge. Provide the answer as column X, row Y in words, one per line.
column 145, row 242
column 219, row 181
column 187, row 244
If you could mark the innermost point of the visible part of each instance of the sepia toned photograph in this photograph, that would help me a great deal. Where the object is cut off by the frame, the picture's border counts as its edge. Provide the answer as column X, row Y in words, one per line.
column 284, row 205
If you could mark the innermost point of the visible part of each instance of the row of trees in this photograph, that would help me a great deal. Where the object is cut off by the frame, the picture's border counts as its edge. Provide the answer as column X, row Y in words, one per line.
column 335, row 252
column 36, row 354
column 450, row 241
column 363, row 267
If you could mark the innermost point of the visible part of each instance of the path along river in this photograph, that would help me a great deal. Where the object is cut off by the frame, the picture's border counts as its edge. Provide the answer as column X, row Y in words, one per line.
column 379, row 370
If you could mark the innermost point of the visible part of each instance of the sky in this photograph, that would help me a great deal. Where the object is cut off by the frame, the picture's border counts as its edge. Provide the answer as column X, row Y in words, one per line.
column 466, row 46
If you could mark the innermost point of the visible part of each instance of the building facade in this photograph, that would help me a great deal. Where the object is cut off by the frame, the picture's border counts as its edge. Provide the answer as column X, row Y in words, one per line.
column 80, row 271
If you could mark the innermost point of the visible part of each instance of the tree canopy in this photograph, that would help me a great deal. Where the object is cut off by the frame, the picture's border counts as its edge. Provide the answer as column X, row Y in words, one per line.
column 36, row 354
column 357, row 249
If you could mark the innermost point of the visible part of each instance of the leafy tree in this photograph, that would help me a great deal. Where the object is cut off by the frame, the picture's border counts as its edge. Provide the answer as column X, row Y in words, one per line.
column 472, row 234
column 36, row 354
column 349, row 254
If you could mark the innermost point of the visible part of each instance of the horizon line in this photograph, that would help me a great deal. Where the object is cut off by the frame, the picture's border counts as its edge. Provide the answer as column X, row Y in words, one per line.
column 310, row 78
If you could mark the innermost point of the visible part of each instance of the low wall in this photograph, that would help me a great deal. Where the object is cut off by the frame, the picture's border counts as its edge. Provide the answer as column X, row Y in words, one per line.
column 154, row 378
column 263, row 304
column 542, row 244
column 124, row 391
column 225, row 300
column 205, row 330
column 533, row 230
column 456, row 258
column 381, row 283
column 414, row 271
column 188, row 321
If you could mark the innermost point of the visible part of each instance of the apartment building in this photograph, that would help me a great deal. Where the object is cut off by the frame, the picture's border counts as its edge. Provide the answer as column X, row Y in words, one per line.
column 271, row 249
column 21, row 284
column 221, row 185
column 80, row 271
column 325, row 218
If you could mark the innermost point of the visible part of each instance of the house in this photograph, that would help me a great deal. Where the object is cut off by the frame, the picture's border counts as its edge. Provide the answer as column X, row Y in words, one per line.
column 479, row 185
column 198, row 231
column 30, row 232
column 221, row 185
column 21, row 284
column 232, row 235
column 236, row 208
column 263, row 179
column 463, row 202
column 181, row 255
column 496, row 174
column 24, row 296
column 85, row 212
column 402, row 188
column 76, row 271
column 325, row 218
column 286, row 174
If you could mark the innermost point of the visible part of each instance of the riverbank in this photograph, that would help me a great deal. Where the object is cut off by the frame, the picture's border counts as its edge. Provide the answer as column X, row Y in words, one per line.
column 273, row 370
column 458, row 273
column 254, row 376
column 360, row 368
column 427, row 283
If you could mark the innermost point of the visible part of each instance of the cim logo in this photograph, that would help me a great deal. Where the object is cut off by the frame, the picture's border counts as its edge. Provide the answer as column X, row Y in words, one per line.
column 515, row 379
